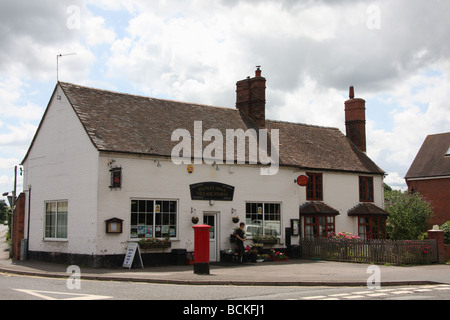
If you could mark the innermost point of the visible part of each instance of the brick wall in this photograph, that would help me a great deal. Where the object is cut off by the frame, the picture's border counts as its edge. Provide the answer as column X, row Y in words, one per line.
column 18, row 225
column 438, row 192
column 447, row 252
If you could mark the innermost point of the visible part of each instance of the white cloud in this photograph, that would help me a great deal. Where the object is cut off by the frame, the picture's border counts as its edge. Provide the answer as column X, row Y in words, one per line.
column 95, row 31
column 422, row 109
column 6, row 164
column 310, row 52
column 11, row 93
column 395, row 181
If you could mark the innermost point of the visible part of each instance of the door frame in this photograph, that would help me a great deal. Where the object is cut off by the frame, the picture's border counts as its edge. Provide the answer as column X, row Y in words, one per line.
column 216, row 215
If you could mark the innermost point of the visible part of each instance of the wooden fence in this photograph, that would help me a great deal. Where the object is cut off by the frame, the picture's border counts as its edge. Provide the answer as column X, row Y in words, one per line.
column 371, row 251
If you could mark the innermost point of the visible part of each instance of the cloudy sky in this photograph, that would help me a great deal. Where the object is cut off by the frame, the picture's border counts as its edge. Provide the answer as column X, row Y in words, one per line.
column 395, row 52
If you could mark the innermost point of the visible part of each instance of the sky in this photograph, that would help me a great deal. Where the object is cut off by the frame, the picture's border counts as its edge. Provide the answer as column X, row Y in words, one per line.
column 396, row 53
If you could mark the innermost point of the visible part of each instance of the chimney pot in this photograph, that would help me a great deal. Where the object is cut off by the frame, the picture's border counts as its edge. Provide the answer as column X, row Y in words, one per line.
column 258, row 71
column 352, row 92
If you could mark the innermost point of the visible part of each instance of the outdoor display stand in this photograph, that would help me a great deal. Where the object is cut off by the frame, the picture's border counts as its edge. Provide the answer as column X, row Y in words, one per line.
column 201, row 249
column 129, row 256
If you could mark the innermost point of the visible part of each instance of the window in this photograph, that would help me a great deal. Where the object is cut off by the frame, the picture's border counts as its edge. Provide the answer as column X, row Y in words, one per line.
column 318, row 226
column 56, row 219
column 314, row 187
column 263, row 219
column 154, row 218
column 366, row 189
column 371, row 227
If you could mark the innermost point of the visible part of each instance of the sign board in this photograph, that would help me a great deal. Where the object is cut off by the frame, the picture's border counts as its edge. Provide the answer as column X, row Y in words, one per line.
column 302, row 180
column 212, row 191
column 133, row 247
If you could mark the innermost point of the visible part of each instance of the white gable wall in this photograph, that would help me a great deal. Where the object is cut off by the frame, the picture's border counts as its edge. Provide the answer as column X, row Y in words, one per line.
column 62, row 165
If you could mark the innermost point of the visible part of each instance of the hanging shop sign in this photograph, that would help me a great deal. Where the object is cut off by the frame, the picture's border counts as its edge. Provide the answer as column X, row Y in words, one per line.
column 302, row 180
column 212, row 191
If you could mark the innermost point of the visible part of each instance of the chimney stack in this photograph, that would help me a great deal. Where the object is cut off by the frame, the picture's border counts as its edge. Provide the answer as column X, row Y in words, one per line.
column 355, row 120
column 251, row 98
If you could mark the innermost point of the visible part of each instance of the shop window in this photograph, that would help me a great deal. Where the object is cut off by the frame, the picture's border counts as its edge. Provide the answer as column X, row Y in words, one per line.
column 314, row 187
column 154, row 218
column 56, row 219
column 372, row 227
column 263, row 219
column 318, row 226
column 365, row 189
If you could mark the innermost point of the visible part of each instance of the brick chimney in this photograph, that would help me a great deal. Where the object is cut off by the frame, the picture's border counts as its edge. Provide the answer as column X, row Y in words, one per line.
column 251, row 98
column 355, row 120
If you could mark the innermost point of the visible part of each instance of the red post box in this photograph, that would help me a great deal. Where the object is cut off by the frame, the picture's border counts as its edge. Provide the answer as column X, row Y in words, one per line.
column 201, row 249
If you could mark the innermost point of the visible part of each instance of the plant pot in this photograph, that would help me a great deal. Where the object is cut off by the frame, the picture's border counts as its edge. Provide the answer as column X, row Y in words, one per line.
column 235, row 219
column 194, row 220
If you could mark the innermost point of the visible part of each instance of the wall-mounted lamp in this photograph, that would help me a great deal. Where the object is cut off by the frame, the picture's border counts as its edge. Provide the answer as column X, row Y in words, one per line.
column 111, row 162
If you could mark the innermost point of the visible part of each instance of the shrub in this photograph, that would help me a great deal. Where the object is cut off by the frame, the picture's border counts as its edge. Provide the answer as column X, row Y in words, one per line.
column 446, row 228
column 409, row 215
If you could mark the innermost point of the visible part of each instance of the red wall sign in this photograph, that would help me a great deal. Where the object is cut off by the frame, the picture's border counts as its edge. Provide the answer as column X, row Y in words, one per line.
column 302, row 180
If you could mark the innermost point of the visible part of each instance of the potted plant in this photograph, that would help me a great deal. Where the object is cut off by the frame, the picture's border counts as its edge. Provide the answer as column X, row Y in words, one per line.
column 280, row 256
column 235, row 219
column 194, row 220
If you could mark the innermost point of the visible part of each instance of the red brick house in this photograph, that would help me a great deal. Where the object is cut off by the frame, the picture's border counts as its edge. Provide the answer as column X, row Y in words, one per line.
column 429, row 175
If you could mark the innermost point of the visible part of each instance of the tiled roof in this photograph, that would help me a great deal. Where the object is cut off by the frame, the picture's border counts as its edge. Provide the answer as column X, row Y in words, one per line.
column 367, row 209
column 432, row 159
column 312, row 147
column 314, row 207
column 127, row 123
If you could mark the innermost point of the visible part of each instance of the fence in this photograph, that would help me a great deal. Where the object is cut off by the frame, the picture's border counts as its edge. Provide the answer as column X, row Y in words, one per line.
column 371, row 251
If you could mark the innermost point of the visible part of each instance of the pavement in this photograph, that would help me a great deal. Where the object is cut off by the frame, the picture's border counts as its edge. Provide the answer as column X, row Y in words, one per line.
column 299, row 272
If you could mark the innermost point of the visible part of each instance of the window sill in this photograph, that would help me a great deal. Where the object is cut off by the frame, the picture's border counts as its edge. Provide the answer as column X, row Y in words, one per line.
column 55, row 240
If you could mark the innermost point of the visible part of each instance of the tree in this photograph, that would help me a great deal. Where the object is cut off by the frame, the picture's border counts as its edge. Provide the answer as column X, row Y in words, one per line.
column 3, row 211
column 409, row 215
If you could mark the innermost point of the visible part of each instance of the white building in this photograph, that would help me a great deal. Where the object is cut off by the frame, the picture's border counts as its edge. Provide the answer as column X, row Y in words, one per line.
column 99, row 155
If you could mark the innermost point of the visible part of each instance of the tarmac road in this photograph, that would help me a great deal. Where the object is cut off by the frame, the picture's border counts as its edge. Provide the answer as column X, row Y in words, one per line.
column 291, row 273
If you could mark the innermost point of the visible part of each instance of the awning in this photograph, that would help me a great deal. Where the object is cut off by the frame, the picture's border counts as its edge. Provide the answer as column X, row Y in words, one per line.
column 367, row 209
column 314, row 207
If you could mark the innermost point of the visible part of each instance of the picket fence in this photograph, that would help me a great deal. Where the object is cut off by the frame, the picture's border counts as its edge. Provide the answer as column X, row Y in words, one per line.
column 371, row 251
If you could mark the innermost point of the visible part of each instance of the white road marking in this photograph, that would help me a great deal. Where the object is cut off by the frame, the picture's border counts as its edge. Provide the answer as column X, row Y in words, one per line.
column 50, row 295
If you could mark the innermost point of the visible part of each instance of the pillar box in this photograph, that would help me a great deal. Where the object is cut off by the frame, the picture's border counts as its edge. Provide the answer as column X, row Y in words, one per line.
column 201, row 249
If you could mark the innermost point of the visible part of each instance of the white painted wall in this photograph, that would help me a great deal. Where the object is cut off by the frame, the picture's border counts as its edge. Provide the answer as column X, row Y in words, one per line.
column 62, row 165
column 142, row 179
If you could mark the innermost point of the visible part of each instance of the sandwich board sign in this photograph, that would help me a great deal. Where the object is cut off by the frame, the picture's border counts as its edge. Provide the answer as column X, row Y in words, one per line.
column 133, row 247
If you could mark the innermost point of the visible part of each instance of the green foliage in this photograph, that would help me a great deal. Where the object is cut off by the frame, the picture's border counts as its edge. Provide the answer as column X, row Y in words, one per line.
column 4, row 211
column 409, row 215
column 446, row 228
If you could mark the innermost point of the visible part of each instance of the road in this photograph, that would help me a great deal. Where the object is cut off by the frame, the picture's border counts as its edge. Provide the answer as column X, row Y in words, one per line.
column 14, row 287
